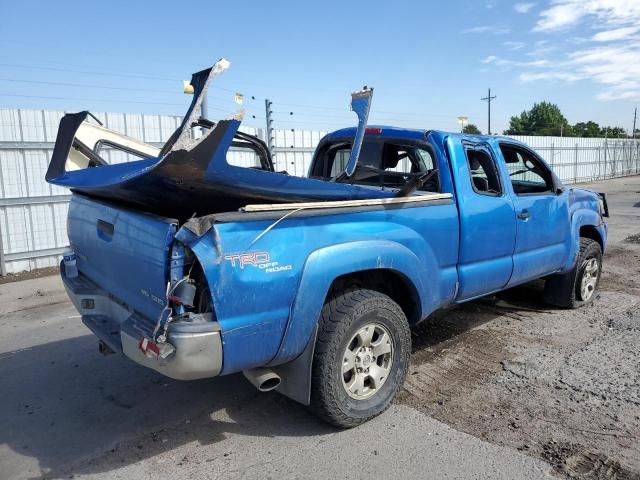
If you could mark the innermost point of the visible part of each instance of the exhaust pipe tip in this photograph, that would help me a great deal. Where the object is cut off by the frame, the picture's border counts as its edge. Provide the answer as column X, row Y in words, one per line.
column 263, row 379
column 105, row 349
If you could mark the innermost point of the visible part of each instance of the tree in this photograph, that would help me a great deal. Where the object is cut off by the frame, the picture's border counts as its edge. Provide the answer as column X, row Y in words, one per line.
column 613, row 132
column 472, row 129
column 544, row 118
column 588, row 129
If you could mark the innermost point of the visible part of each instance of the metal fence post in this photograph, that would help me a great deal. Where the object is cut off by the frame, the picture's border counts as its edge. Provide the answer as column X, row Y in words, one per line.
column 3, row 265
column 605, row 157
column 269, row 120
column 575, row 166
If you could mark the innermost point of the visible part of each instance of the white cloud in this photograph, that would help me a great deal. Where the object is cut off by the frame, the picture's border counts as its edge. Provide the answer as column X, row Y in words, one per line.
column 533, row 77
column 566, row 13
column 615, row 67
column 512, row 45
column 609, row 56
column 615, row 35
column 620, row 95
column 493, row 29
column 542, row 48
column 557, row 17
column 503, row 62
column 524, row 7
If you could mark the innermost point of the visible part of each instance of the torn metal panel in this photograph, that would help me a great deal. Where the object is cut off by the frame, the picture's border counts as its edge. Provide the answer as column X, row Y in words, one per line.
column 191, row 177
column 361, row 104
column 200, row 82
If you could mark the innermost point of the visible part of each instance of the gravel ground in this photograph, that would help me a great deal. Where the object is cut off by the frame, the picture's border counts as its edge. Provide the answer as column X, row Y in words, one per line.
column 559, row 385
column 504, row 387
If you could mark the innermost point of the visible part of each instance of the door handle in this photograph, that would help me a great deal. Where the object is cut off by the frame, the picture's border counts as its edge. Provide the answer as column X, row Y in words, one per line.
column 105, row 230
column 523, row 215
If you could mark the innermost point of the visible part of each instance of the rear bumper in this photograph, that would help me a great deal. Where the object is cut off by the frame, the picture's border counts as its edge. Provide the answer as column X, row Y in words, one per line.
column 198, row 345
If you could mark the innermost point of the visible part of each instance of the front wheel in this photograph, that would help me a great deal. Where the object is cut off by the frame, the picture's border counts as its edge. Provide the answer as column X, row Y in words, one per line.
column 361, row 357
column 577, row 287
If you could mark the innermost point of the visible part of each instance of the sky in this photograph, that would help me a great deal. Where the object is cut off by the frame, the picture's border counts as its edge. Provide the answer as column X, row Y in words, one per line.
column 429, row 62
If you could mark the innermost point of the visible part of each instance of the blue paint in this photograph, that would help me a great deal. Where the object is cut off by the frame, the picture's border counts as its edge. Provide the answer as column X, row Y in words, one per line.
column 133, row 264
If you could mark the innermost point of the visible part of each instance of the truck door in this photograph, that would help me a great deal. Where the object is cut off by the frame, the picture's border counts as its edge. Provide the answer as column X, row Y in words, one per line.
column 487, row 222
column 542, row 215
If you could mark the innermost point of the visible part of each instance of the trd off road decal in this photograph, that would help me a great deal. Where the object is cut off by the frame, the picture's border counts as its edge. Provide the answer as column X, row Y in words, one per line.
column 261, row 260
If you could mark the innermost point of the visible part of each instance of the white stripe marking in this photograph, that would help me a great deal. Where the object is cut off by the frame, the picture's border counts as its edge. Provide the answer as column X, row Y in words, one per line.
column 346, row 203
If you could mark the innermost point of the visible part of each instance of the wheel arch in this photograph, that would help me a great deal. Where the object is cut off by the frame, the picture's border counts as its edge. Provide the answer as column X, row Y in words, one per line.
column 296, row 374
column 396, row 285
column 590, row 231
column 369, row 262
column 584, row 223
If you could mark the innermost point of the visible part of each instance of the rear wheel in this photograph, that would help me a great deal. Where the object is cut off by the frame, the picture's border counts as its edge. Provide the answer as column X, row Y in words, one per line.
column 577, row 287
column 361, row 357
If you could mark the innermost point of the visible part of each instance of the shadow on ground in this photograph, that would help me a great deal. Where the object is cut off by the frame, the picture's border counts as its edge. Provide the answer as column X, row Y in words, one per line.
column 64, row 404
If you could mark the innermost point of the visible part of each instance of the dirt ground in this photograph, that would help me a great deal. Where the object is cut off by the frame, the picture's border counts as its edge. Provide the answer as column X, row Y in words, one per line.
column 39, row 273
column 561, row 385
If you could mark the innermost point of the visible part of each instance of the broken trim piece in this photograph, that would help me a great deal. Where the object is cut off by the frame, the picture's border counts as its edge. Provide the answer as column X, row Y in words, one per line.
column 345, row 203
column 361, row 104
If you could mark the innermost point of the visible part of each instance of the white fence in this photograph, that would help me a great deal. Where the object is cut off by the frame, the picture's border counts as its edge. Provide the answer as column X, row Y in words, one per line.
column 33, row 213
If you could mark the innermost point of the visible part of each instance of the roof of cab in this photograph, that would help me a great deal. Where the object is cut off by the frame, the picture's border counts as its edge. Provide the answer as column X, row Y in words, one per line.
column 387, row 131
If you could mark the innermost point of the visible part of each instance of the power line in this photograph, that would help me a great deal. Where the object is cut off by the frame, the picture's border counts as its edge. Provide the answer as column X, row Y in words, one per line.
column 98, row 100
column 106, row 87
column 66, row 84
column 90, row 72
column 162, row 78
column 395, row 116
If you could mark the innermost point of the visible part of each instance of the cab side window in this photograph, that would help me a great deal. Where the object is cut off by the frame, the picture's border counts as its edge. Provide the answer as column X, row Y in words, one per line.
column 527, row 173
column 485, row 179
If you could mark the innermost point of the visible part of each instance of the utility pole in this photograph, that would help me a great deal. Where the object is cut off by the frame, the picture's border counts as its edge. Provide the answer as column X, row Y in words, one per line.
column 633, row 132
column 488, row 99
column 268, row 113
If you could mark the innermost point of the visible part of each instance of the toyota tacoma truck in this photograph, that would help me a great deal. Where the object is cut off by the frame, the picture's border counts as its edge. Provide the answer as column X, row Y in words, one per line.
column 198, row 259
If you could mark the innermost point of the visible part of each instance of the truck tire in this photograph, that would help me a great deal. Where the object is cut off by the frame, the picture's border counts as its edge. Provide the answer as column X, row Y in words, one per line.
column 577, row 287
column 361, row 357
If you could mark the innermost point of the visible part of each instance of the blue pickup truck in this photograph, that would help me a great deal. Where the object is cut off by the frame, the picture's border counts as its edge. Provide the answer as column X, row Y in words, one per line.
column 195, row 264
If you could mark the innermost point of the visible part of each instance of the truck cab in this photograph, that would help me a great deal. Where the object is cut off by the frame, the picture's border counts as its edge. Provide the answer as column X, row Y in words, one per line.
column 515, row 215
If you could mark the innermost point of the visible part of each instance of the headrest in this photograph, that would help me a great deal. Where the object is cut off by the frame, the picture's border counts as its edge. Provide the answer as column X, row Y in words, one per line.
column 390, row 156
column 474, row 163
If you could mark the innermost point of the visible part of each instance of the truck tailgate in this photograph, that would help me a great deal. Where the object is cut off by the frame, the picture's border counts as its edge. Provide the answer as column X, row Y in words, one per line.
column 124, row 252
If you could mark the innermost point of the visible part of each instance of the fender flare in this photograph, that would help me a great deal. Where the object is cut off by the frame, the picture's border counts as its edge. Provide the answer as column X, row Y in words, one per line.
column 326, row 264
column 582, row 218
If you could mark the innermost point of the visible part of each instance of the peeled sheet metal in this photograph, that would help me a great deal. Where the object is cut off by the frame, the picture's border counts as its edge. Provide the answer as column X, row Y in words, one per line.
column 191, row 176
column 360, row 104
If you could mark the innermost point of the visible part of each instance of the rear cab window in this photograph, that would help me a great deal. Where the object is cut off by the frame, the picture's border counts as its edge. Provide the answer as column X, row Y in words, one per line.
column 383, row 163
